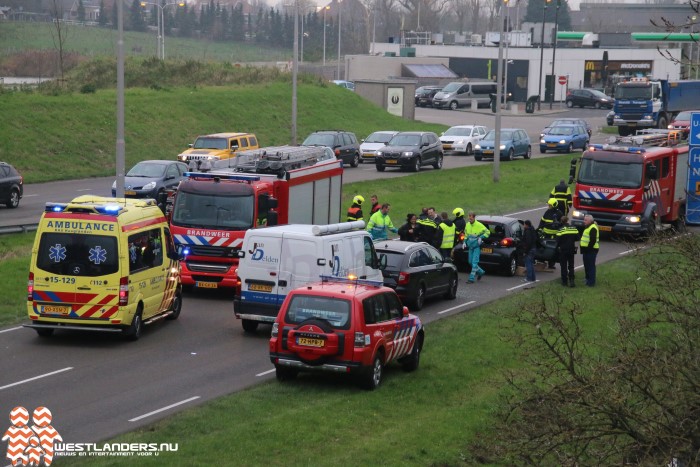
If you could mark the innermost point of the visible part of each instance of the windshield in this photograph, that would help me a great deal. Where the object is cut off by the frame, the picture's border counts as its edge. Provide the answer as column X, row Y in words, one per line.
column 211, row 143
column 379, row 137
column 333, row 310
column 452, row 87
column 213, row 212
column 610, row 174
column 317, row 139
column 147, row 170
column 78, row 254
column 683, row 116
column 457, row 131
column 505, row 135
column 405, row 140
column 561, row 130
column 632, row 92
column 599, row 95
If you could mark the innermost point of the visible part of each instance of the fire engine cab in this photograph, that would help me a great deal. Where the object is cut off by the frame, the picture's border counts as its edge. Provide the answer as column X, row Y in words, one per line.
column 633, row 185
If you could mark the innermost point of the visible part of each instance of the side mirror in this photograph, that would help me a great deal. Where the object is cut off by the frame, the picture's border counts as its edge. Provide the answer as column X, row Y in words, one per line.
column 190, row 145
column 404, row 312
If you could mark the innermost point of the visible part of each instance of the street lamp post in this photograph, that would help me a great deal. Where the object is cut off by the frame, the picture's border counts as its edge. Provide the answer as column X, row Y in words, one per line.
column 554, row 50
column 295, row 71
column 160, row 50
column 325, row 9
column 143, row 5
column 374, row 25
column 340, row 28
column 539, row 89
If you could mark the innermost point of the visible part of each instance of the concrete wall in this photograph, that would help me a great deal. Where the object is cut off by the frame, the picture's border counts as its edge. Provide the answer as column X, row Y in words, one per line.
column 379, row 67
column 381, row 91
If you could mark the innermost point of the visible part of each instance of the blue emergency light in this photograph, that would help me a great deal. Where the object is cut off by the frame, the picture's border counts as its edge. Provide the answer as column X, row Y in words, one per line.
column 55, row 207
column 610, row 147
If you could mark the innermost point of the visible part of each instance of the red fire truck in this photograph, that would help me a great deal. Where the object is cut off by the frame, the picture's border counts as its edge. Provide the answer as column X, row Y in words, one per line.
column 634, row 185
column 210, row 211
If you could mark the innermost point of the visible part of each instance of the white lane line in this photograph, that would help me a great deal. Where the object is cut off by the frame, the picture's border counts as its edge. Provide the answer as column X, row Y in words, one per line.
column 522, row 212
column 265, row 372
column 524, row 284
column 29, row 196
column 11, row 329
column 35, row 378
column 84, row 189
column 455, row 307
column 164, row 408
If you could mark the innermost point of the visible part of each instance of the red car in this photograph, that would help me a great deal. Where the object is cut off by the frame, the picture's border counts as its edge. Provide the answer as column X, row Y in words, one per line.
column 344, row 326
column 682, row 122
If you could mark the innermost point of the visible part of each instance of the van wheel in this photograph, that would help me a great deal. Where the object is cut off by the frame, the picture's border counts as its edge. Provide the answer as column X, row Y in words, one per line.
column 44, row 332
column 249, row 326
column 133, row 332
column 373, row 376
column 285, row 374
column 413, row 360
column 453, row 105
column 13, row 201
column 176, row 307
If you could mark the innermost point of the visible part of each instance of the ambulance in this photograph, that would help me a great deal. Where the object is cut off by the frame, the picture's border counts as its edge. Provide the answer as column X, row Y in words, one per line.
column 102, row 264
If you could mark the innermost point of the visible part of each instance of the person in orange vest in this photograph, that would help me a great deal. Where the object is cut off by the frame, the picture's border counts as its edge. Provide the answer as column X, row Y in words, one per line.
column 355, row 211
column 375, row 204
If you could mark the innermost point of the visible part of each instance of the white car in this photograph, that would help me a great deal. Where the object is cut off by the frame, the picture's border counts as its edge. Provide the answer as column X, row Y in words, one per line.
column 374, row 142
column 462, row 138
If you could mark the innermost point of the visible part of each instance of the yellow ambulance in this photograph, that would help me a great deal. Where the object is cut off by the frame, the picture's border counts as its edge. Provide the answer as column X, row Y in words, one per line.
column 103, row 264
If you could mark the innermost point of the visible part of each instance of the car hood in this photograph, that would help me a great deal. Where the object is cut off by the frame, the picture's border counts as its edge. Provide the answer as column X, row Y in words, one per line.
column 371, row 146
column 555, row 138
column 139, row 181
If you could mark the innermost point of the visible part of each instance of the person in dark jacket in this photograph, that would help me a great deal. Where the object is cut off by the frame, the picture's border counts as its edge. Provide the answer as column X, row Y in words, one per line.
column 550, row 223
column 375, row 204
column 529, row 248
column 408, row 232
column 566, row 243
column 562, row 193
column 428, row 227
column 590, row 244
column 445, row 236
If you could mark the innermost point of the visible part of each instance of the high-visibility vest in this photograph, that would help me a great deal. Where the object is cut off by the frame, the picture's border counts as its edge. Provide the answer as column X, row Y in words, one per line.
column 586, row 236
column 448, row 235
column 354, row 214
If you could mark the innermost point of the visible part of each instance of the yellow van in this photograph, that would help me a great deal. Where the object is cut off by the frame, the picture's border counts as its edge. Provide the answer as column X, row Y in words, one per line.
column 217, row 146
column 102, row 264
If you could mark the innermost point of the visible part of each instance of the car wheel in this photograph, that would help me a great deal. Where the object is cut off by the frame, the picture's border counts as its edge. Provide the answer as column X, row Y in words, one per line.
column 528, row 154
column 570, row 104
column 570, row 148
column 285, row 374
column 477, row 157
column 596, row 105
column 416, row 164
column 355, row 160
column 176, row 307
column 13, row 201
column 512, row 266
column 133, row 332
column 543, row 150
column 469, row 151
column 453, row 105
column 413, row 360
column 44, row 332
column 249, row 326
column 380, row 167
column 511, row 154
column 373, row 376
column 585, row 145
column 419, row 299
column 451, row 292
column 438, row 162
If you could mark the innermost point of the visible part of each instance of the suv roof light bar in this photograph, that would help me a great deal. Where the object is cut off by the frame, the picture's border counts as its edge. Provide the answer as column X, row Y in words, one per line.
column 352, row 281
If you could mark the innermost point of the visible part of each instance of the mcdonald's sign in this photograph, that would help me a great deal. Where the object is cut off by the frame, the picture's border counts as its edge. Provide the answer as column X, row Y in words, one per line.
column 592, row 65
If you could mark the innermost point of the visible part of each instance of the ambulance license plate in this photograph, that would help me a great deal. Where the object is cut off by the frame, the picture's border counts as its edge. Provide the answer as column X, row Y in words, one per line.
column 55, row 309
column 605, row 228
column 260, row 287
column 487, row 250
column 129, row 193
column 206, row 285
column 310, row 342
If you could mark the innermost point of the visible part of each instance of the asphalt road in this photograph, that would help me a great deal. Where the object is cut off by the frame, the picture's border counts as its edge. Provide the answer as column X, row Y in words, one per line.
column 98, row 386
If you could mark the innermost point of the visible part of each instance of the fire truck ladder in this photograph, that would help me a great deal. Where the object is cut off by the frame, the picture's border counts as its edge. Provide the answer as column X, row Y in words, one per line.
column 649, row 137
column 276, row 159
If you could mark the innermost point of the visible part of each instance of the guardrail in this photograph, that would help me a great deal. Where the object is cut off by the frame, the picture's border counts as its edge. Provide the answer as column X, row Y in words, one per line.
column 10, row 229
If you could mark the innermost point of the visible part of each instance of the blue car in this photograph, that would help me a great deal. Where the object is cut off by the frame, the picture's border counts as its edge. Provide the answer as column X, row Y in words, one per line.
column 564, row 138
column 514, row 143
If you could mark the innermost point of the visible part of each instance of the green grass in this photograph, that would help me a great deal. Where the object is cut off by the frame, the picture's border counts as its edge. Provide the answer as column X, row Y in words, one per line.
column 15, row 251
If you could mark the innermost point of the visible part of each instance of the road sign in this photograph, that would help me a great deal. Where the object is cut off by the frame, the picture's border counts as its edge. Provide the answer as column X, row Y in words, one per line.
column 692, row 211
column 694, row 138
column 562, row 80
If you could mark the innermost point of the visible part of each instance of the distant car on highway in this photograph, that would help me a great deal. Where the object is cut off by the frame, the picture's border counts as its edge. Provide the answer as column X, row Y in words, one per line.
column 462, row 138
column 148, row 179
column 588, row 98
column 410, row 150
column 11, row 185
column 374, row 142
column 568, row 121
column 564, row 138
column 514, row 143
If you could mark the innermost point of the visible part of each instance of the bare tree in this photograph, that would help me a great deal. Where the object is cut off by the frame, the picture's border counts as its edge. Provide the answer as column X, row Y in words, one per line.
column 669, row 26
column 59, row 34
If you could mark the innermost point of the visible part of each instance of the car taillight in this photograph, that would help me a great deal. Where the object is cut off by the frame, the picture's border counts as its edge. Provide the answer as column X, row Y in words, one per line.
column 337, row 152
column 123, row 291
column 30, row 287
column 404, row 277
column 507, row 242
column 275, row 328
column 360, row 339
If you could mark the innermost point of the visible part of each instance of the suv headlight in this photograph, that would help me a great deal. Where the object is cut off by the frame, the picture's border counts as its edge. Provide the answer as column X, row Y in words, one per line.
column 477, row 146
column 542, row 141
column 407, row 154
column 502, row 147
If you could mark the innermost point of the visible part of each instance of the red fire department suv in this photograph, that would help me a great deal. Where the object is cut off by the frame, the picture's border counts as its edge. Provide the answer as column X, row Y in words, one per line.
column 344, row 326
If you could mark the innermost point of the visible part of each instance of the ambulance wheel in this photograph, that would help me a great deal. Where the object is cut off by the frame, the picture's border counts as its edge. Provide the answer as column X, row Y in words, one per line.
column 372, row 377
column 176, row 307
column 133, row 332
column 44, row 332
column 285, row 374
column 249, row 326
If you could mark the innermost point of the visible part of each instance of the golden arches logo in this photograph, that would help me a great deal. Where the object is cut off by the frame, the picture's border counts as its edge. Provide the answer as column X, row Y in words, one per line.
column 590, row 66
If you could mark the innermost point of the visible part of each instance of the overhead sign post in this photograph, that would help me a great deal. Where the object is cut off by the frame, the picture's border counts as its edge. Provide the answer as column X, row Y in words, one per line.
column 692, row 206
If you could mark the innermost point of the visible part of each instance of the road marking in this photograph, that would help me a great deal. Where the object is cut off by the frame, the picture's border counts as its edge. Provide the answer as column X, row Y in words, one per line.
column 164, row 408
column 29, row 196
column 455, row 307
column 524, row 284
column 523, row 212
column 11, row 329
column 85, row 189
column 35, row 378
column 265, row 372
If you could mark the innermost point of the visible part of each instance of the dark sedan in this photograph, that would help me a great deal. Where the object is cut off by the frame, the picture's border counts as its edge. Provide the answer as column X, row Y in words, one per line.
column 410, row 150
column 11, row 185
column 417, row 271
column 425, row 94
column 501, row 251
column 148, row 179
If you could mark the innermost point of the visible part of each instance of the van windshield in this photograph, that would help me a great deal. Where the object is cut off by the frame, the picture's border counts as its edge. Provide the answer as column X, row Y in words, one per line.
column 334, row 310
column 206, row 211
column 73, row 254
column 452, row 87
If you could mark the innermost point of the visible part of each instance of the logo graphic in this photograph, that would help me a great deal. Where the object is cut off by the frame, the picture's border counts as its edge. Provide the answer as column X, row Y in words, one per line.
column 30, row 446
column 98, row 255
column 395, row 99
column 57, row 253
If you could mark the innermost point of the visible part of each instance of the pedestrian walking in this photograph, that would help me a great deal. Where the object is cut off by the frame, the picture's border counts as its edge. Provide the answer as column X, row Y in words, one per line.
column 380, row 224
column 530, row 248
column 590, row 244
column 475, row 232
column 566, row 243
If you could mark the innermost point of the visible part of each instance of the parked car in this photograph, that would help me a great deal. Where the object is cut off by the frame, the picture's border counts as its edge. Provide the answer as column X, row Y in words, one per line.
column 148, row 179
column 11, row 185
column 344, row 84
column 374, row 142
column 588, row 98
column 564, row 138
column 568, row 121
column 500, row 252
column 417, row 271
column 514, row 143
column 425, row 94
column 462, row 138
column 410, row 150
column 682, row 122
column 343, row 143
column 331, row 327
column 461, row 94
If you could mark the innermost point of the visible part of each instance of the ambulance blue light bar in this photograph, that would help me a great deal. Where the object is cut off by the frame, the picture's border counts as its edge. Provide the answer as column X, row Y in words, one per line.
column 610, row 147
column 109, row 209
column 351, row 280
column 221, row 176
column 55, row 207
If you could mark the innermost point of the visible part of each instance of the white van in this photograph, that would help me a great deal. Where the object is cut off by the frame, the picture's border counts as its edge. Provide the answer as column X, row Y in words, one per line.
column 459, row 94
column 275, row 260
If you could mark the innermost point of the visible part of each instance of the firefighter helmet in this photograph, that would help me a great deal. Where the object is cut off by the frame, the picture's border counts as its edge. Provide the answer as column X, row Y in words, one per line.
column 358, row 199
column 553, row 202
column 458, row 212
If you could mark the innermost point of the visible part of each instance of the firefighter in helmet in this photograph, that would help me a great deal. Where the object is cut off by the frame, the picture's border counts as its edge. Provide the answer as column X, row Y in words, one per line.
column 355, row 211
column 550, row 223
column 459, row 221
column 562, row 193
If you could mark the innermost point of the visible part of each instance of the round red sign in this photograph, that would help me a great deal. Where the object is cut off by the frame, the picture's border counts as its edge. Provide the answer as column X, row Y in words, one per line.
column 562, row 80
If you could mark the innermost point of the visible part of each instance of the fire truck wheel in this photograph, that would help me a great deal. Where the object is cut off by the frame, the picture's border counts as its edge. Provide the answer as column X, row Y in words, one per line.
column 249, row 326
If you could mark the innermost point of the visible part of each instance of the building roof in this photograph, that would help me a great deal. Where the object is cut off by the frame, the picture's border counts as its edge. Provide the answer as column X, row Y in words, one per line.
column 427, row 71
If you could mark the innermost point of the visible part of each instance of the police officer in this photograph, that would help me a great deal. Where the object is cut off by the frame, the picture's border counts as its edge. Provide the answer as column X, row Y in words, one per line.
column 446, row 235
column 590, row 245
column 550, row 223
column 562, row 193
column 566, row 243
column 428, row 227
column 355, row 211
